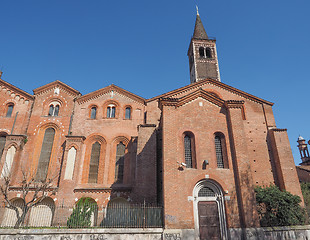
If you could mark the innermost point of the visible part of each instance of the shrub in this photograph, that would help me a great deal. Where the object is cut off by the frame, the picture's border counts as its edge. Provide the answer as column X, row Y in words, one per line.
column 81, row 215
column 278, row 208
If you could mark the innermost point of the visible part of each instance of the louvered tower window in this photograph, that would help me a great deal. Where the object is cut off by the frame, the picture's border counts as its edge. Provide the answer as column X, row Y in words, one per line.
column 206, row 192
column 45, row 154
column 119, row 163
column 219, row 152
column 188, row 151
column 94, row 163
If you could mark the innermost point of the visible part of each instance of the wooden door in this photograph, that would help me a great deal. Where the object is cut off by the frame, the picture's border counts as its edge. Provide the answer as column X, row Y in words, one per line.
column 209, row 222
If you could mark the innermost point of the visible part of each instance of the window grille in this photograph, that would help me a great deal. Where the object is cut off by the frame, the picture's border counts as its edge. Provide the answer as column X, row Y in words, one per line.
column 10, row 110
column 219, row 152
column 206, row 192
column 93, row 113
column 128, row 113
column 45, row 154
column 94, row 163
column 188, row 151
column 119, row 163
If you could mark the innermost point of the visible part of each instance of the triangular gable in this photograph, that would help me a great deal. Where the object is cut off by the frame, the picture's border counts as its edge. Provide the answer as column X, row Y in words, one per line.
column 108, row 89
column 212, row 82
column 56, row 84
column 16, row 90
column 177, row 102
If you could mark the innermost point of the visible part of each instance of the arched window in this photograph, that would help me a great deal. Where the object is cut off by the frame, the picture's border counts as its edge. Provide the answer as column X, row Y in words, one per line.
column 119, row 163
column 208, row 53
column 93, row 112
column 128, row 113
column 54, row 109
column 45, row 155
column 111, row 111
column 94, row 163
column 201, row 52
column 2, row 144
column 70, row 163
column 220, row 150
column 6, row 169
column 189, row 150
column 9, row 110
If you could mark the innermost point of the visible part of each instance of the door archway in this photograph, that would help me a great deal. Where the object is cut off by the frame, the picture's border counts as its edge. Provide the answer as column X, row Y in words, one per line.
column 209, row 210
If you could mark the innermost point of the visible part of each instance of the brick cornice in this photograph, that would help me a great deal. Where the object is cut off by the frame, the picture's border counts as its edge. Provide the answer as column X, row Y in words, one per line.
column 278, row 129
column 71, row 91
column 101, row 190
column 201, row 83
column 103, row 91
column 234, row 104
column 16, row 90
column 70, row 138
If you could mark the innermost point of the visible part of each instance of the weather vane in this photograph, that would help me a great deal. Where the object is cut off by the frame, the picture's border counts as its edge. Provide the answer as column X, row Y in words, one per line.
column 197, row 10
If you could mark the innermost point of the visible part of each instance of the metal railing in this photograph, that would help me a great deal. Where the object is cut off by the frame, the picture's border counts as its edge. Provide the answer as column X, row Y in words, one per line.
column 85, row 216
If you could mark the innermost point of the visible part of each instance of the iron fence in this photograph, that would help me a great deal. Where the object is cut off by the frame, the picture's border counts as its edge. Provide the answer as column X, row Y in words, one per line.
column 88, row 215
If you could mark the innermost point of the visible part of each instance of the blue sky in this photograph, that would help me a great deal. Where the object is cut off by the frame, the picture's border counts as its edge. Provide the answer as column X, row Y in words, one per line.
column 141, row 46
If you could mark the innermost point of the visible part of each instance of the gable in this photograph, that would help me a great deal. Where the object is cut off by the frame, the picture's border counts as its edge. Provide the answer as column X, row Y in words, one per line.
column 56, row 87
column 203, row 83
column 110, row 91
column 200, row 93
column 14, row 91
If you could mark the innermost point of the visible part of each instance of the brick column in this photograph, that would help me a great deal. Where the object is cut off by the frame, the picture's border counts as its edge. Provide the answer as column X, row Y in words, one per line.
column 146, row 172
column 241, row 165
column 284, row 162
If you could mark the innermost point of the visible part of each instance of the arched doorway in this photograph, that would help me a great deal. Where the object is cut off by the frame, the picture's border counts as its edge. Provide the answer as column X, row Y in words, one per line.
column 10, row 218
column 42, row 214
column 209, row 210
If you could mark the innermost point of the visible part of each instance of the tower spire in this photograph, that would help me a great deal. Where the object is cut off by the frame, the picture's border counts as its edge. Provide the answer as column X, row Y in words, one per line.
column 199, row 31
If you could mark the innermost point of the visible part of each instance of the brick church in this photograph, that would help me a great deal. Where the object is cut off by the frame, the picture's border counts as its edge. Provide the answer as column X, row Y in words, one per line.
column 198, row 150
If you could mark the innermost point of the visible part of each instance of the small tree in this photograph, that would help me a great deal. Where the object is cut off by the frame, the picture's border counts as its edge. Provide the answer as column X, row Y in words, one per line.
column 33, row 192
column 278, row 208
column 305, row 188
column 81, row 215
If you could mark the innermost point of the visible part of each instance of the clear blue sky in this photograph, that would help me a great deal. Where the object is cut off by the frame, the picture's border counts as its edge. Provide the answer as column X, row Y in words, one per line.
column 141, row 46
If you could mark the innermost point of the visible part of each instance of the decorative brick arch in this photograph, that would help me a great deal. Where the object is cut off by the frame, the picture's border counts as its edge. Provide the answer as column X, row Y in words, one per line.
column 90, row 140
column 209, row 191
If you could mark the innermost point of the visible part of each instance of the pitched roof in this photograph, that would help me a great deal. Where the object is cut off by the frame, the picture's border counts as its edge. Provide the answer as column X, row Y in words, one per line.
column 199, row 31
column 210, row 81
column 16, row 89
column 107, row 89
column 56, row 83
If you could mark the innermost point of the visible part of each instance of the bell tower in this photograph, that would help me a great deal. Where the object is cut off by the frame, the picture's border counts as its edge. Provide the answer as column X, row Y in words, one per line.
column 202, row 55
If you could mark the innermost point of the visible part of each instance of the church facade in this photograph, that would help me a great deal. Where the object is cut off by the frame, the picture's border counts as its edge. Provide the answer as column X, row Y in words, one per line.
column 198, row 150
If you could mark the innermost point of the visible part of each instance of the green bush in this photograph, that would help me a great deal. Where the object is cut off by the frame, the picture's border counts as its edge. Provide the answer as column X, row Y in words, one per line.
column 305, row 188
column 81, row 215
column 278, row 208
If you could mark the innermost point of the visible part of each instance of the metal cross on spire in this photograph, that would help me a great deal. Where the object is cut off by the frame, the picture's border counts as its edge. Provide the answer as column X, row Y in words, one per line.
column 197, row 10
